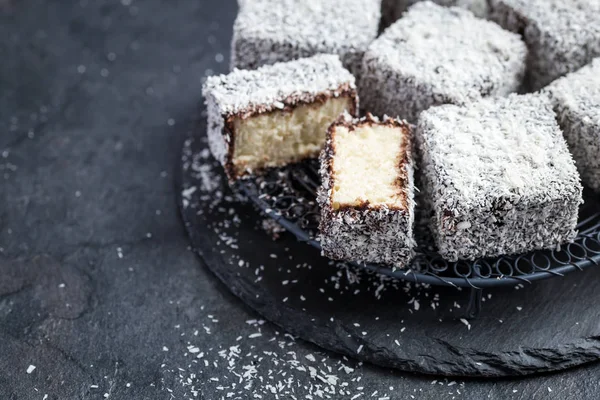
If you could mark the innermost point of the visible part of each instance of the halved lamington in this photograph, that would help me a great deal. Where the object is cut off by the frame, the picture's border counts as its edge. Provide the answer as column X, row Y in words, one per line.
column 576, row 99
column 393, row 9
column 562, row 35
column 436, row 55
column 269, row 31
column 499, row 177
column 366, row 197
column 277, row 114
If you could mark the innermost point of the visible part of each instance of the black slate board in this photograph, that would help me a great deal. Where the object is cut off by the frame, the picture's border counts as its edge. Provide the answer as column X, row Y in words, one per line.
column 544, row 327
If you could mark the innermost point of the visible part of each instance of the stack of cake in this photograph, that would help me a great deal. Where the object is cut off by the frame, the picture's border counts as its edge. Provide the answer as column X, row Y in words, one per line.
column 496, row 173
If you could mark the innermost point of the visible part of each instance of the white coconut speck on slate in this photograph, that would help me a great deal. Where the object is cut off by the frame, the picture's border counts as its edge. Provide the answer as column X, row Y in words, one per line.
column 576, row 100
column 503, row 166
column 467, row 324
column 437, row 55
column 269, row 31
column 275, row 368
column 562, row 35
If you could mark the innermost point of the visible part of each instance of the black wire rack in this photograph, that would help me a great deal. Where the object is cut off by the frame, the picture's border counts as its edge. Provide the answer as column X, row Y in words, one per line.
column 288, row 196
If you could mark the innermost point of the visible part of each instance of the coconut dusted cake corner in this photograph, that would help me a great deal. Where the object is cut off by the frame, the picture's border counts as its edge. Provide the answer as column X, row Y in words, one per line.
column 499, row 177
column 562, row 35
column 366, row 197
column 277, row 114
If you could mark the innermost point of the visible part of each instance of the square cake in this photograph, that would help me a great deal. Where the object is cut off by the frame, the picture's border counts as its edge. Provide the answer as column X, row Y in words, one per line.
column 436, row 55
column 277, row 114
column 576, row 99
column 562, row 35
column 499, row 177
column 268, row 31
column 366, row 197
column 392, row 9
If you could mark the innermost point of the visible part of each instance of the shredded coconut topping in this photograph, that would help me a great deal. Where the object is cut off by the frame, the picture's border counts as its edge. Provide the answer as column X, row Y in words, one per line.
column 242, row 90
column 503, row 147
column 448, row 48
column 436, row 55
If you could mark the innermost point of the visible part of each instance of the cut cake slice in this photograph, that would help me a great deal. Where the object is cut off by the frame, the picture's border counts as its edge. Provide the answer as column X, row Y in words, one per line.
column 366, row 197
column 277, row 114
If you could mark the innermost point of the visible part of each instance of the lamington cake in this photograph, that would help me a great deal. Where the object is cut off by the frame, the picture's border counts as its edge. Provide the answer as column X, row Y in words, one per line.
column 366, row 197
column 562, row 35
column 393, row 9
column 499, row 177
column 436, row 55
column 277, row 114
column 268, row 31
column 576, row 99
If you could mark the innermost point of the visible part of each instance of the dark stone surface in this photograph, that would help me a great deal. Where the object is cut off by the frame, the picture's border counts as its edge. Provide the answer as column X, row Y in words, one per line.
column 87, row 199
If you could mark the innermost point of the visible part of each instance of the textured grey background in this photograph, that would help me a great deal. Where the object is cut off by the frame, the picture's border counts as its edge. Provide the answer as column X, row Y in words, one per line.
column 98, row 289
